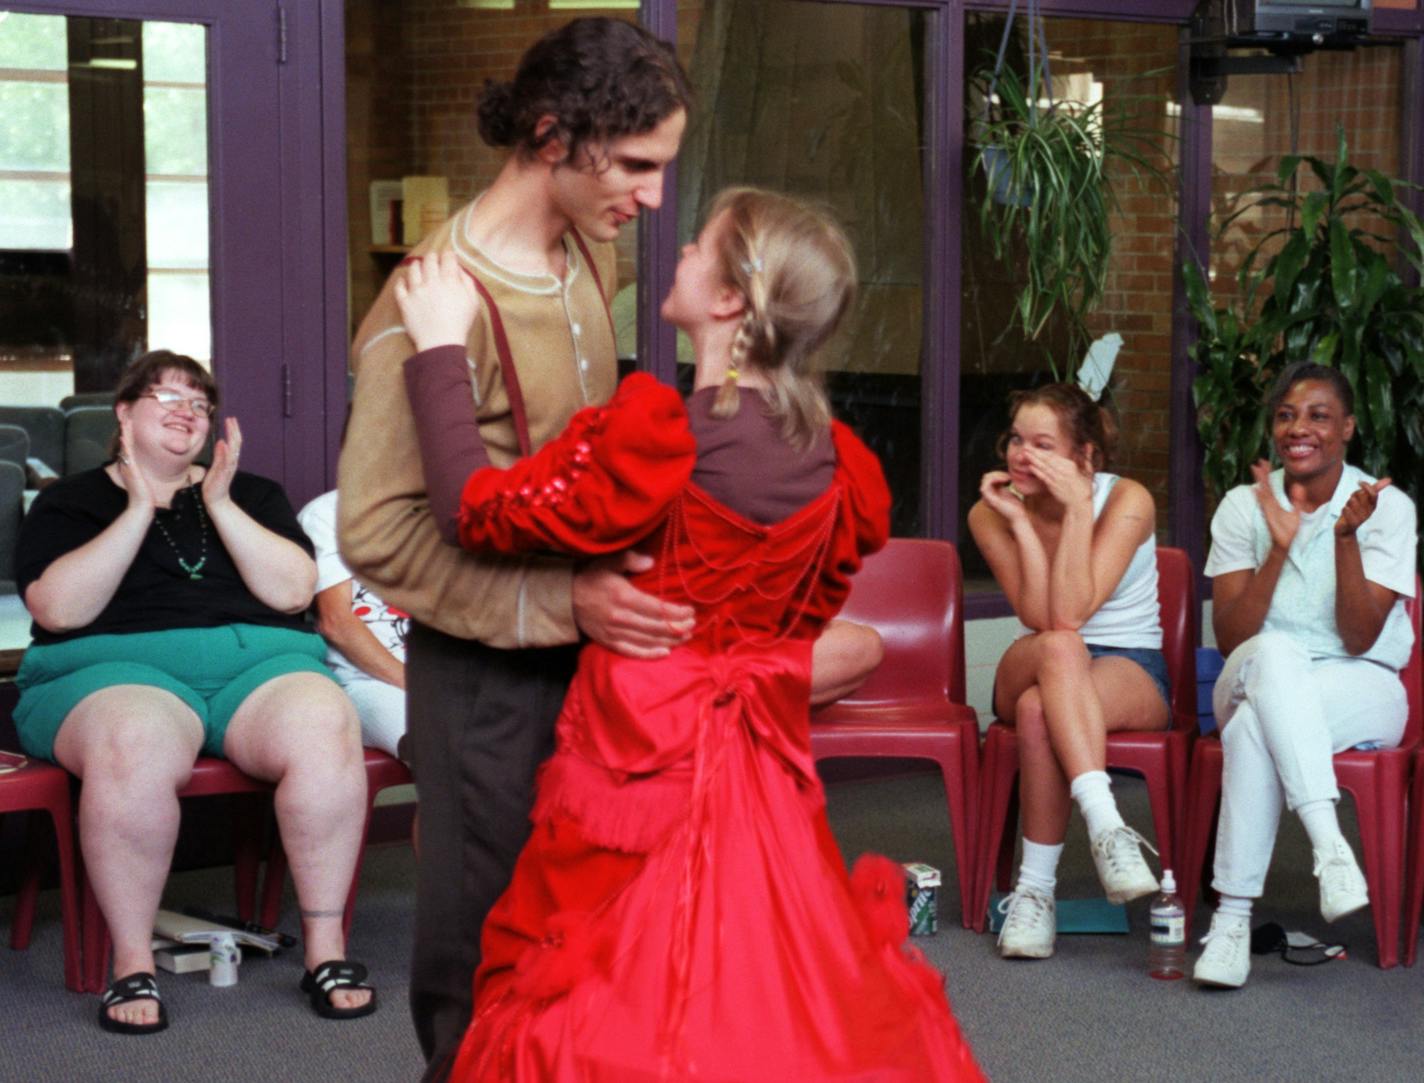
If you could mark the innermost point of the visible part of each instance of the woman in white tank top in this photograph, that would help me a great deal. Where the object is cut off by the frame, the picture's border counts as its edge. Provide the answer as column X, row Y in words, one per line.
column 1073, row 549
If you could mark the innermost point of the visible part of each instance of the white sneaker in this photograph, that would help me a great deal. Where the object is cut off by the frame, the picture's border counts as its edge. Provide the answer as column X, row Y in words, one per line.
column 1029, row 924
column 1226, row 957
column 1342, row 884
column 1121, row 867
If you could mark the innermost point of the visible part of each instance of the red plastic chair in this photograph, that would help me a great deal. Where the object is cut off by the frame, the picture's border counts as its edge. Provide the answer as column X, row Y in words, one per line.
column 912, row 706
column 1414, row 884
column 1160, row 757
column 1376, row 781
column 42, row 787
column 211, row 776
column 382, row 771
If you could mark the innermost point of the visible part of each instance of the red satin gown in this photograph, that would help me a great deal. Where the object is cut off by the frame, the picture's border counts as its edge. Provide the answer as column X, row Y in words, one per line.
column 681, row 911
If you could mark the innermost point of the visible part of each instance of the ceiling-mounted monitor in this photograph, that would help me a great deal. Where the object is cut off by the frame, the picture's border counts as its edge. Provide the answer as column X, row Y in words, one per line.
column 1321, row 22
column 1287, row 30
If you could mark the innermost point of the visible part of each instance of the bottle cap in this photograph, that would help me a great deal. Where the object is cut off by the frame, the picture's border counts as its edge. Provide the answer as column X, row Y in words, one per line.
column 1169, row 885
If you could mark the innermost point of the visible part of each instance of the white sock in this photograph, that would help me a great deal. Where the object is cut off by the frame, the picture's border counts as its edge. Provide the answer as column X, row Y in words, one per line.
column 1321, row 823
column 1040, row 865
column 1093, row 792
column 1235, row 907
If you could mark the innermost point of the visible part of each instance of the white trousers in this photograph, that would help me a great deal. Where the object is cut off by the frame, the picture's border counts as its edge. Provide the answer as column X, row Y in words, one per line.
column 1282, row 716
column 381, row 708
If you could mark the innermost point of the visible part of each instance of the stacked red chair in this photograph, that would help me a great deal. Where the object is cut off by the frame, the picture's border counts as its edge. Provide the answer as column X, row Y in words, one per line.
column 1375, row 779
column 42, row 787
column 912, row 706
column 1160, row 757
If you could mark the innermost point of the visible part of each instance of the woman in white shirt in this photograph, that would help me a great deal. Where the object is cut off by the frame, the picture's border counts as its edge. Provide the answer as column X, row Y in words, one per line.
column 1073, row 548
column 1309, row 567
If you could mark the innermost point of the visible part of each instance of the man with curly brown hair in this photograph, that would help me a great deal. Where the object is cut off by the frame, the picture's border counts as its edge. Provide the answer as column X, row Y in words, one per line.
column 593, row 116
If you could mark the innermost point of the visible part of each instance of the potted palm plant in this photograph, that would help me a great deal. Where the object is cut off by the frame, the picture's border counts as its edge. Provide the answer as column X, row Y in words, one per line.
column 1328, row 286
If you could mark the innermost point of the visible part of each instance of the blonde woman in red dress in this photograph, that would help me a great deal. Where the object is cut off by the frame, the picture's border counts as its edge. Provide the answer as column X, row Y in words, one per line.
column 681, row 911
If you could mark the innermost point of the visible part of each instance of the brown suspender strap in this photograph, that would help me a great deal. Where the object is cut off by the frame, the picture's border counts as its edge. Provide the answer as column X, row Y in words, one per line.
column 597, row 281
column 506, row 364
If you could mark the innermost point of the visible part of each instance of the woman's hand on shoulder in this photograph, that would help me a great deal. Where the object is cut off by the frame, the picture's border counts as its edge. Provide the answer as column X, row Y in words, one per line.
column 437, row 301
column 1283, row 524
column 1066, row 481
column 1359, row 507
column 995, row 488
column 217, row 482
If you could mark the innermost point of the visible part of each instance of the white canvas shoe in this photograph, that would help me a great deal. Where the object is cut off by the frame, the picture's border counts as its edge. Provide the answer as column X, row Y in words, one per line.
column 1030, row 924
column 1342, row 884
column 1225, row 960
column 1123, row 870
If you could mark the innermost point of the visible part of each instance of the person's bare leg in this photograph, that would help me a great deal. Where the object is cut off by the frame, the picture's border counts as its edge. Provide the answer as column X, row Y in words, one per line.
column 1044, row 802
column 843, row 657
column 1063, row 704
column 301, row 732
column 1082, row 699
column 134, row 747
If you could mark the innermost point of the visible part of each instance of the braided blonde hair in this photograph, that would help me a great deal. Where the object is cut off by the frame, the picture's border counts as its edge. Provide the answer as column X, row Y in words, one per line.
column 795, row 267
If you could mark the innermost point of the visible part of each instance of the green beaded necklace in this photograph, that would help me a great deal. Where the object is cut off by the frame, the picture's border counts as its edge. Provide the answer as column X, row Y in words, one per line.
column 195, row 569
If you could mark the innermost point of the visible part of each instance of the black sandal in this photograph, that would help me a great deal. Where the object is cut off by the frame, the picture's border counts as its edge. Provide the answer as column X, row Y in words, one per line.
column 320, row 983
column 140, row 985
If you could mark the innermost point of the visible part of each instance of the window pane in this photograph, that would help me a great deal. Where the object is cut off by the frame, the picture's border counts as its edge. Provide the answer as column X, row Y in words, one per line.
column 34, row 214
column 1251, row 130
column 824, row 101
column 89, row 235
column 177, row 224
column 178, row 314
column 33, row 42
column 174, row 53
column 175, row 139
column 34, row 125
column 1132, row 67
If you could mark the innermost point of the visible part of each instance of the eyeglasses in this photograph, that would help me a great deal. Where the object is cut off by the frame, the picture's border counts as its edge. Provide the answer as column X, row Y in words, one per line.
column 169, row 401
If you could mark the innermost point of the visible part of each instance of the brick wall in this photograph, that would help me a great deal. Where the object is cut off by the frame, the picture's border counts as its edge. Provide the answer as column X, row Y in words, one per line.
column 1137, row 302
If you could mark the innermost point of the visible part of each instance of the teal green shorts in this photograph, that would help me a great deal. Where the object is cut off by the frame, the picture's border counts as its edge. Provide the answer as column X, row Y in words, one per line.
column 212, row 670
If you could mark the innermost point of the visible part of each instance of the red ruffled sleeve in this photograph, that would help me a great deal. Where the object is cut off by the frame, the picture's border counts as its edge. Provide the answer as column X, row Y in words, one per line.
column 601, row 485
column 867, row 494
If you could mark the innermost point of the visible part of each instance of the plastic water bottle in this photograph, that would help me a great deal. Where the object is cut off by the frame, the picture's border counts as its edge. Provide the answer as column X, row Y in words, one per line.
column 1167, row 956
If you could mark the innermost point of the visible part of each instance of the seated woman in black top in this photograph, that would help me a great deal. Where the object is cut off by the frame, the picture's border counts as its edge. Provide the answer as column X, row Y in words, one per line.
column 167, row 601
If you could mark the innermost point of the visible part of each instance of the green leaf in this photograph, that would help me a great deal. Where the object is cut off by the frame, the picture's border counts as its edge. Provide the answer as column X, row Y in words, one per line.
column 1342, row 264
column 1289, row 263
column 1316, row 203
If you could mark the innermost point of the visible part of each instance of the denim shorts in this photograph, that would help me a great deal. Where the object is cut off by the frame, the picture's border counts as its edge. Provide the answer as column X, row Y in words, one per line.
column 1149, row 658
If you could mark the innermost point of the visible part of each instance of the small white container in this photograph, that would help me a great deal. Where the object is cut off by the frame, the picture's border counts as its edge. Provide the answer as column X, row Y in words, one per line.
column 223, row 958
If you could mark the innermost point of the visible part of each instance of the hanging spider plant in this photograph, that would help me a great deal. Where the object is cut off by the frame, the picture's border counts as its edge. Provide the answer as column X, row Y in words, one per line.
column 1054, row 172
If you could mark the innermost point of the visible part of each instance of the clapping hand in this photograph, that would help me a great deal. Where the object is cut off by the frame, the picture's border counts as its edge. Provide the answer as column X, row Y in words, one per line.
column 136, row 482
column 1359, row 507
column 437, row 301
column 218, row 480
column 1281, row 522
